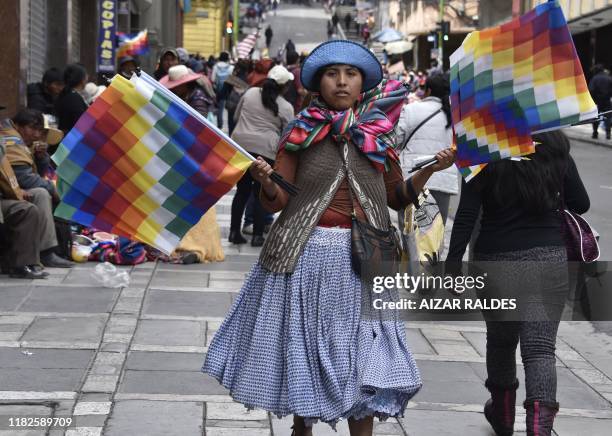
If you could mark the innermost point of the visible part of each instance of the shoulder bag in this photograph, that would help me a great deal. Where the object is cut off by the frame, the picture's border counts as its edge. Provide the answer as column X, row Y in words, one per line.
column 580, row 238
column 373, row 247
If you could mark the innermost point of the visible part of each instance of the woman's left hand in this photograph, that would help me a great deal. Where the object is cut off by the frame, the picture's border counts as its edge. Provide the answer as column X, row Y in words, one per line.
column 445, row 159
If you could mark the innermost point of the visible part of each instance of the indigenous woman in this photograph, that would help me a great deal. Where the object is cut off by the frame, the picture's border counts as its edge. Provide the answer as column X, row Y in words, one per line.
column 202, row 243
column 296, row 341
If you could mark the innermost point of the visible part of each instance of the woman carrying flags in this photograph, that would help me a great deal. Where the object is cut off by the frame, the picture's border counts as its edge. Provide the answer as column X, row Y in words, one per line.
column 521, row 242
column 296, row 340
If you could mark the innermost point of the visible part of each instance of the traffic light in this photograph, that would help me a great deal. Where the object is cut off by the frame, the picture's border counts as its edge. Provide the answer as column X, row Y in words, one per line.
column 444, row 27
column 229, row 27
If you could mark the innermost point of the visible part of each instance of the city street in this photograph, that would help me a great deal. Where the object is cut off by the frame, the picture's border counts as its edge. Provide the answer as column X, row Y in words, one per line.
column 305, row 26
column 126, row 361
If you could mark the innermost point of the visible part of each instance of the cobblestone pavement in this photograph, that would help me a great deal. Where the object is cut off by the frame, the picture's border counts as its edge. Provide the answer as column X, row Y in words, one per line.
column 126, row 361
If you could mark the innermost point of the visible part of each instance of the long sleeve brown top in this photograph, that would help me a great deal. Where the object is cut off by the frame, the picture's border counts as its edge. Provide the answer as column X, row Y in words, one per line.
column 339, row 211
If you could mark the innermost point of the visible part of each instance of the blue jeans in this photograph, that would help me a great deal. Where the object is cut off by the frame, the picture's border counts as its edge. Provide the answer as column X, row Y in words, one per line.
column 220, row 109
column 248, row 214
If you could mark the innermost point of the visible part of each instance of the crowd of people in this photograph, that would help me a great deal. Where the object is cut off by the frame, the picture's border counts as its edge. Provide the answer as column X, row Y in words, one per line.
column 257, row 96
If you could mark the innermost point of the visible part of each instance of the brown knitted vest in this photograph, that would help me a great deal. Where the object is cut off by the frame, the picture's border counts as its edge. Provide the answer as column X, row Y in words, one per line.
column 320, row 171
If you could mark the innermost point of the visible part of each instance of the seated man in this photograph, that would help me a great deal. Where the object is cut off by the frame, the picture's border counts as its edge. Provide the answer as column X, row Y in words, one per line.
column 25, row 151
column 16, row 136
column 20, row 225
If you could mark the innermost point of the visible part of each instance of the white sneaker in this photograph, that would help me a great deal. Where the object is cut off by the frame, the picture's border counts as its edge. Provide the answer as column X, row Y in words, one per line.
column 248, row 229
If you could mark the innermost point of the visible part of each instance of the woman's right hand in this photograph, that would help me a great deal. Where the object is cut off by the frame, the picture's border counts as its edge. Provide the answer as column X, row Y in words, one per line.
column 261, row 171
column 445, row 159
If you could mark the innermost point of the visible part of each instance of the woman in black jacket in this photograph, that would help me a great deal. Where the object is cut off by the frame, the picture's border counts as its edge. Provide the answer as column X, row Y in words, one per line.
column 521, row 241
column 70, row 105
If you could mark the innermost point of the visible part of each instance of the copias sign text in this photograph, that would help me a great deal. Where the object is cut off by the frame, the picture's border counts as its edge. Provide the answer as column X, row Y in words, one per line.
column 107, row 10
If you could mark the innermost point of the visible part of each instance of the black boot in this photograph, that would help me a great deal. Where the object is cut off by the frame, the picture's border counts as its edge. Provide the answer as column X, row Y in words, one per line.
column 257, row 241
column 540, row 417
column 235, row 237
column 499, row 409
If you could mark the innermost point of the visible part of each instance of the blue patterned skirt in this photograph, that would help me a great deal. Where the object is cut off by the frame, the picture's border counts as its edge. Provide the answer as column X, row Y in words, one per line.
column 296, row 344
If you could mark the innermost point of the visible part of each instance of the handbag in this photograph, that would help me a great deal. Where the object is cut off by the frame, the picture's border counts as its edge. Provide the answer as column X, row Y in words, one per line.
column 422, row 232
column 580, row 238
column 373, row 247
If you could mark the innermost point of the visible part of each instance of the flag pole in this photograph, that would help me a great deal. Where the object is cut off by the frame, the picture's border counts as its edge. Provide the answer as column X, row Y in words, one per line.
column 599, row 117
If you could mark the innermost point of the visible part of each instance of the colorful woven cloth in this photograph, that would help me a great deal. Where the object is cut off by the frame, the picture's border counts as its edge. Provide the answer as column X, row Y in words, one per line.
column 513, row 80
column 132, row 45
column 142, row 164
column 370, row 126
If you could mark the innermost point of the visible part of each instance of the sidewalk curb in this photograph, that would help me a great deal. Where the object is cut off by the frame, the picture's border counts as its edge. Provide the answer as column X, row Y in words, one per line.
column 588, row 139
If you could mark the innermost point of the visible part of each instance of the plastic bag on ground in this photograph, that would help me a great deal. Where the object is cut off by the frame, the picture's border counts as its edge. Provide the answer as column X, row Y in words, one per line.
column 108, row 276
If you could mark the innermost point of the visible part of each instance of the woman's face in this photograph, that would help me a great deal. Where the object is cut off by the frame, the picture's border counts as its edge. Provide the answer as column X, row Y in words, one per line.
column 169, row 60
column 81, row 85
column 340, row 86
column 182, row 91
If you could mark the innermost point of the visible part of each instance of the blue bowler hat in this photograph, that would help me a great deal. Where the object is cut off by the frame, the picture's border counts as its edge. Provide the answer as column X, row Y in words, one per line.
column 339, row 51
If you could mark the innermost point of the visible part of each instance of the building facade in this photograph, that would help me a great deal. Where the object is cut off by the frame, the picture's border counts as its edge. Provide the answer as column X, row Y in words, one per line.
column 40, row 34
column 204, row 27
column 416, row 19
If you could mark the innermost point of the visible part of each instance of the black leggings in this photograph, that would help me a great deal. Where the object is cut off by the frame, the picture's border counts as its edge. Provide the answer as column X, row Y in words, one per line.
column 243, row 190
column 537, row 340
column 545, row 286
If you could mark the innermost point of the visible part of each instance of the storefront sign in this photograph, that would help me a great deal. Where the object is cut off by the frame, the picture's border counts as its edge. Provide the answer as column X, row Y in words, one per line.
column 106, row 36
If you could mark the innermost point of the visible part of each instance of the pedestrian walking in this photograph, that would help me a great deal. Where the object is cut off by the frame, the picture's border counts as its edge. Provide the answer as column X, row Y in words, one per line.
column 168, row 58
column 275, row 6
column 347, row 21
column 335, row 19
column 600, row 87
column 203, row 241
column 260, row 72
column 184, row 83
column 290, row 47
column 330, row 29
column 424, row 128
column 295, row 93
column 365, row 33
column 521, row 250
column 262, row 114
column 220, row 72
column 270, row 351
column 233, row 89
column 268, row 34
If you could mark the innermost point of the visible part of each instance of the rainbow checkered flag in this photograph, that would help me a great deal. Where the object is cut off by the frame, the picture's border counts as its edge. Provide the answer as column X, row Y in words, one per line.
column 132, row 45
column 511, row 81
column 143, row 164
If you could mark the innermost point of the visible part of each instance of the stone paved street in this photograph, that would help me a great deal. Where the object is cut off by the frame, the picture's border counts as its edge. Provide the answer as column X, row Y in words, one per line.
column 127, row 362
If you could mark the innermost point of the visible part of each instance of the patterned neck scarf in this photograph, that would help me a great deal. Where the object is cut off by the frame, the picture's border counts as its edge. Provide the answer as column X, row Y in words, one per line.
column 369, row 126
